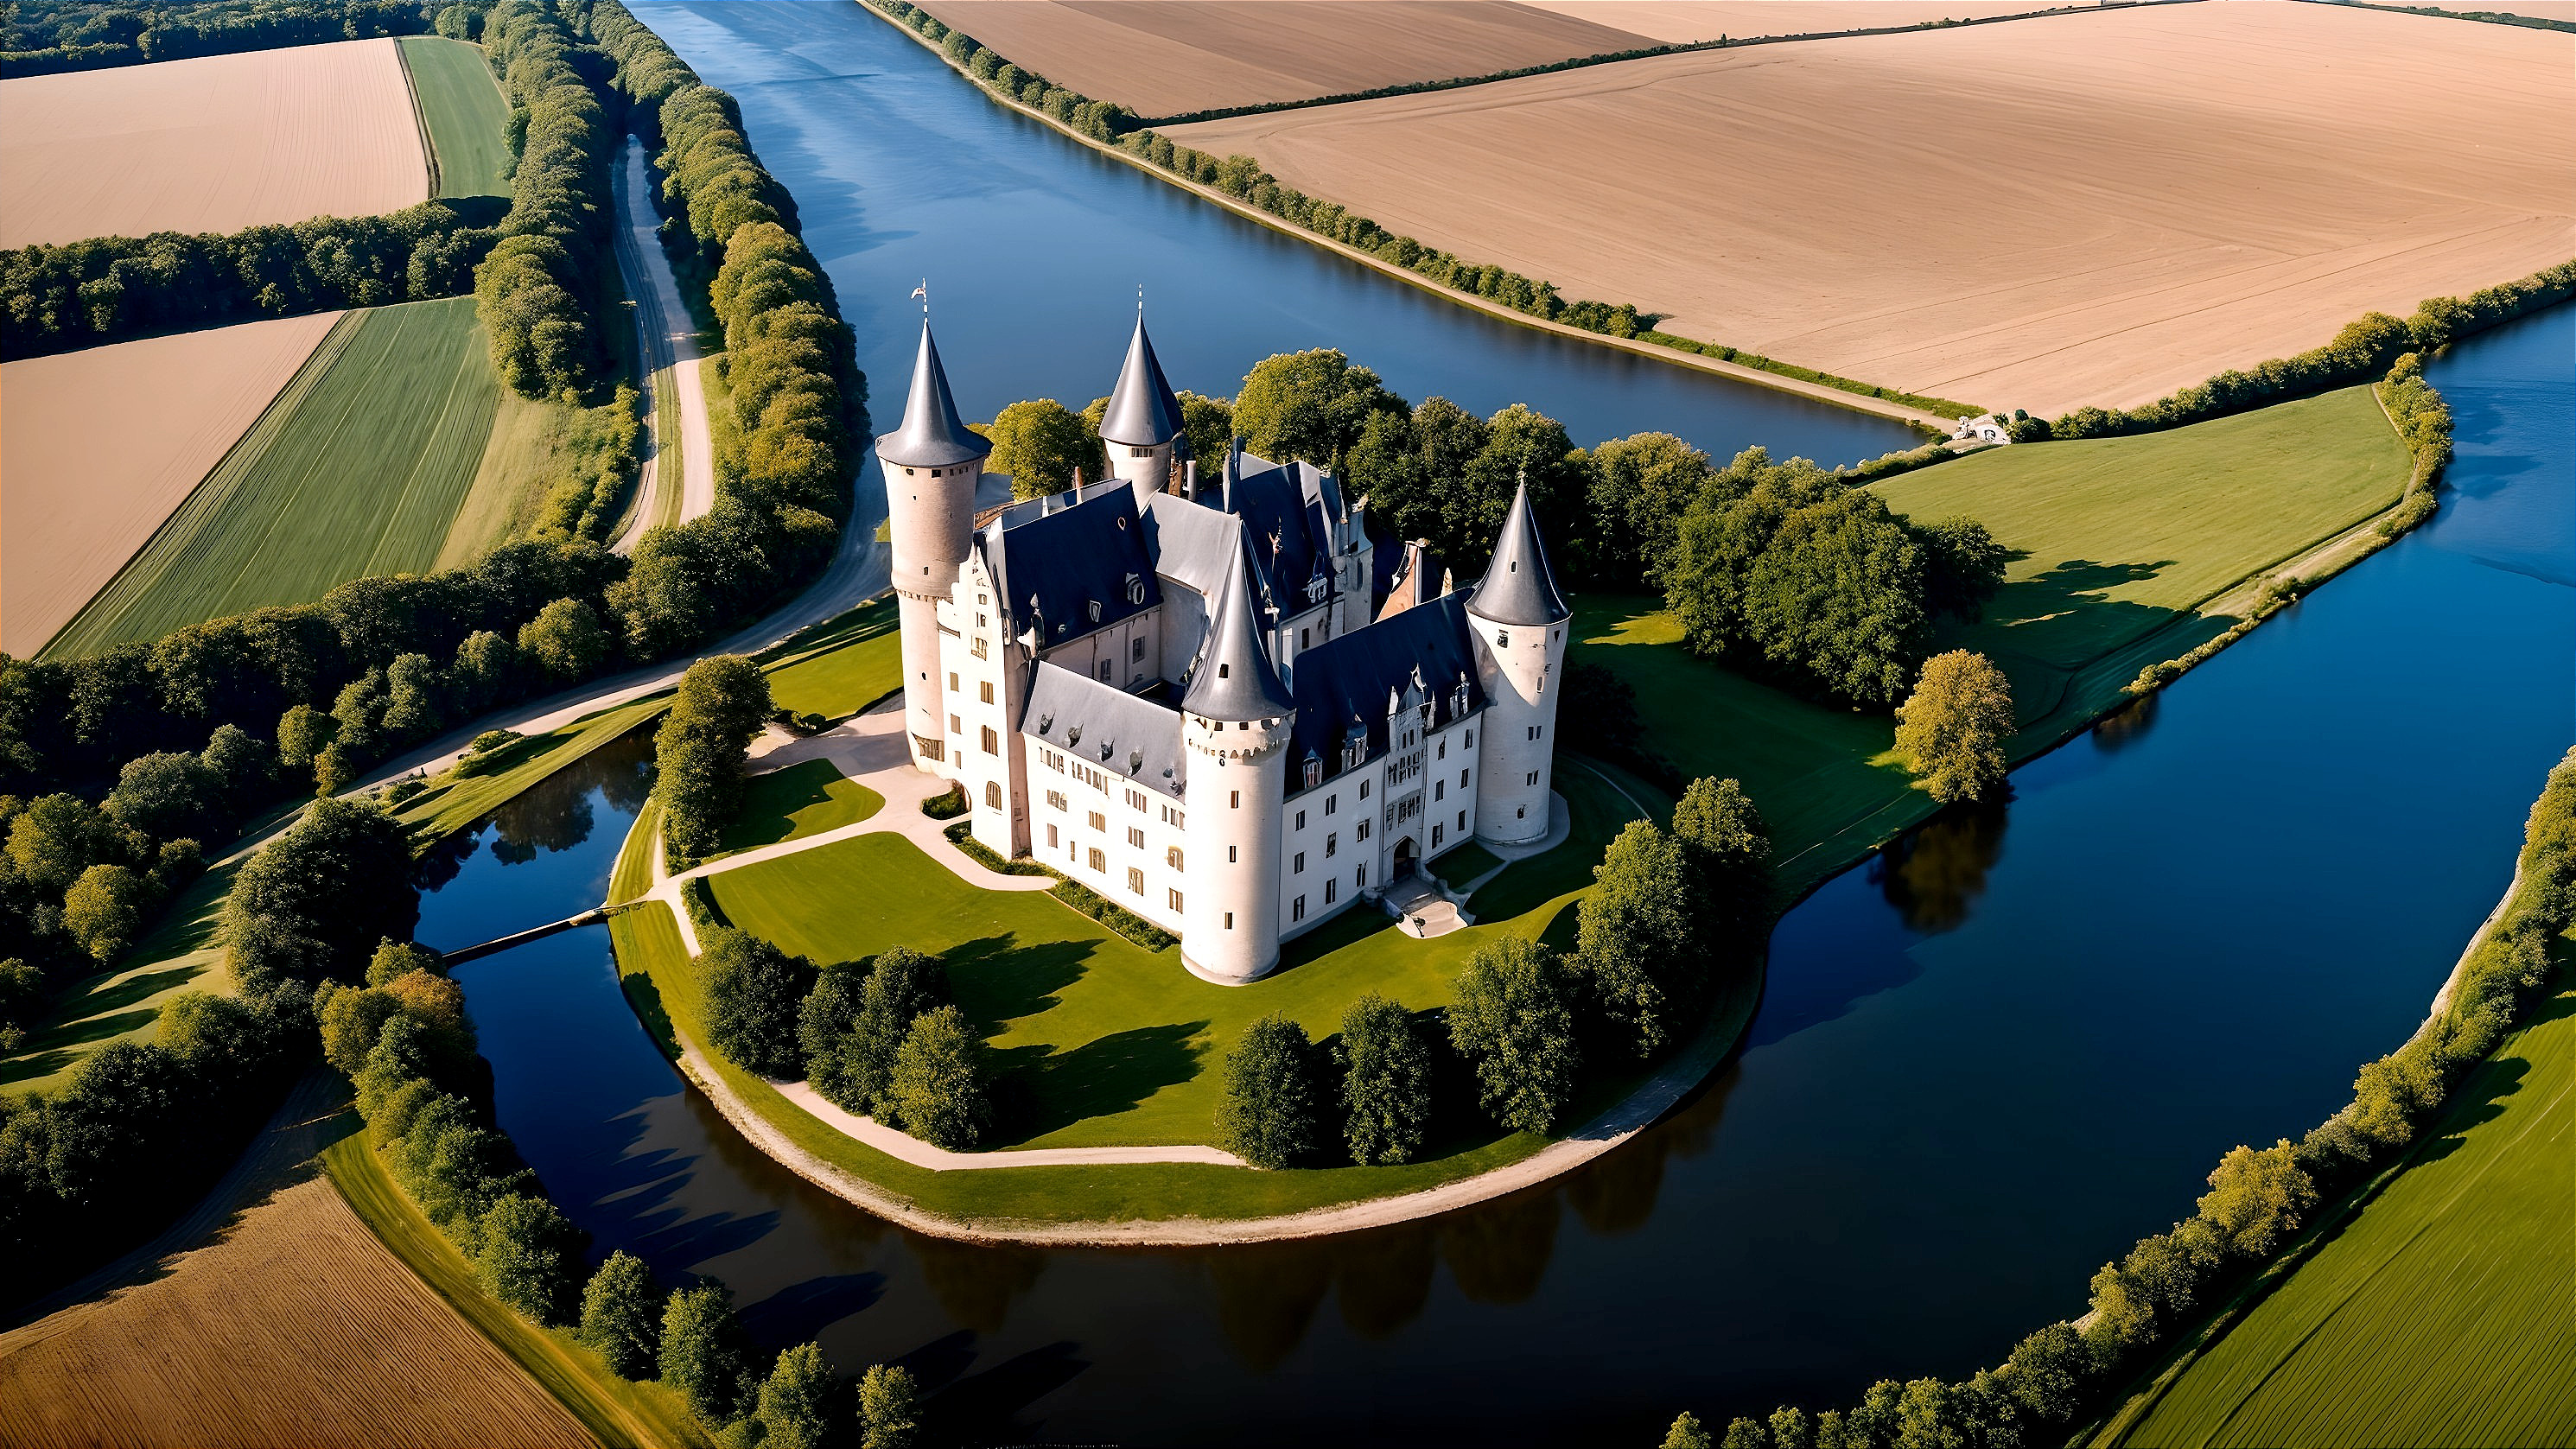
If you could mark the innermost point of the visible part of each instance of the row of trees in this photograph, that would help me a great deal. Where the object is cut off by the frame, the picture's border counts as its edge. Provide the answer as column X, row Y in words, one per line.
column 107, row 289
column 539, row 294
column 700, row 750
column 42, row 39
column 2259, row 1201
column 1670, row 912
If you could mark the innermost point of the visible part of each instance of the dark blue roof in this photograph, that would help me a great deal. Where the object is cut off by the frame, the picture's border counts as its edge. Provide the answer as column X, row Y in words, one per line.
column 1056, row 568
column 1282, row 506
column 1347, row 679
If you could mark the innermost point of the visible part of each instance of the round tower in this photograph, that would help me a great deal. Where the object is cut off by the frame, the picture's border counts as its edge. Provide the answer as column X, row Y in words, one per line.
column 932, row 466
column 1519, row 621
column 1141, row 430
column 1235, row 722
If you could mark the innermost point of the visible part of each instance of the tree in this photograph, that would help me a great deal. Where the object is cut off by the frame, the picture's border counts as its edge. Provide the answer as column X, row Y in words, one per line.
column 1638, row 940
column 1514, row 1022
column 721, row 705
column 319, row 898
column 823, row 1025
column 1639, row 489
column 1310, row 405
column 165, row 793
column 400, row 958
column 1208, row 423
column 565, row 639
column 103, row 911
column 753, row 991
column 302, row 734
column 334, row 770
column 1745, row 1433
column 2257, row 1199
column 940, row 1089
column 2047, row 1371
column 526, row 1257
column 56, row 838
column 1040, row 443
column 621, row 1315
column 704, row 1354
column 1963, row 566
column 889, row 1408
column 1952, row 729
column 350, row 1021
column 1838, row 597
column 795, row 1405
column 1386, row 1082
column 1272, row 1113
column 1729, row 850
column 1789, row 1428
column 902, row 983
column 1688, row 1433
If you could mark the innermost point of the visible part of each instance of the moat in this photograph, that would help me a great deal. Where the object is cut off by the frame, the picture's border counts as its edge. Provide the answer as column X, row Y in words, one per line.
column 1987, row 1060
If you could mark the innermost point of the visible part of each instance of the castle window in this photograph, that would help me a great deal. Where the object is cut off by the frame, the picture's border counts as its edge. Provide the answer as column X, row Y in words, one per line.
column 1176, row 901
column 1364, row 789
column 1362, row 832
column 982, row 650
column 1332, row 803
column 1439, row 789
column 1301, row 819
column 1238, row 800
column 1471, row 739
column 1136, row 837
column 1462, row 822
column 1533, row 777
column 1135, row 589
column 1135, row 452
column 1136, row 646
column 1136, row 801
column 956, row 726
column 1361, row 878
column 1332, row 888
column 1462, row 779
column 1105, row 668
column 1135, row 880
column 1233, row 854
column 1052, row 841
column 993, row 794
column 1301, row 637
column 992, row 740
column 952, row 681
column 1331, row 843
column 981, row 622
column 1094, row 606
column 1229, row 920
column 1098, row 861
column 1314, row 773
column 1099, row 822
column 1055, row 799
column 1436, row 832
column 1172, row 858
column 987, row 687
column 1298, row 865
column 1297, row 909
column 1444, row 751
column 1533, row 731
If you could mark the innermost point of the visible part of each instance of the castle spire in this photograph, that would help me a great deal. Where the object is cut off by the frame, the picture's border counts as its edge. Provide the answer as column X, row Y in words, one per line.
column 931, row 435
column 1235, row 681
column 1518, row 587
column 1142, row 413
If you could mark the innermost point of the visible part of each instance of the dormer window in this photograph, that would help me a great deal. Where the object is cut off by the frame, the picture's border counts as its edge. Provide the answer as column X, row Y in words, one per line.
column 1223, row 669
column 1314, row 772
column 1095, row 610
column 1135, row 590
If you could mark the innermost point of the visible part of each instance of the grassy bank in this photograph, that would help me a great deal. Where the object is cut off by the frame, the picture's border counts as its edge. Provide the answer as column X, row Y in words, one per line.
column 794, row 803
column 615, row 1410
column 359, row 467
column 463, row 114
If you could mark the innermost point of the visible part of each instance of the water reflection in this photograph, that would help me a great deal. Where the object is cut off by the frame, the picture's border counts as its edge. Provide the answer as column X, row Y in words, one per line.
column 2128, row 725
column 1933, row 873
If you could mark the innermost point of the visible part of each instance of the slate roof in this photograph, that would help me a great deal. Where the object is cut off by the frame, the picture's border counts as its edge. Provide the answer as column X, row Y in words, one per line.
column 931, row 435
column 1108, row 729
column 1519, row 588
column 1347, row 679
column 1142, row 411
column 1233, row 678
column 1288, row 510
column 1050, row 569
column 1191, row 542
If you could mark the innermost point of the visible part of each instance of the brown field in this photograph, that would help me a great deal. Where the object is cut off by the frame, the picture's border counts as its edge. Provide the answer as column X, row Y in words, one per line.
column 296, row 1328
column 1166, row 57
column 97, row 447
column 2091, row 209
column 209, row 145
column 1673, row 22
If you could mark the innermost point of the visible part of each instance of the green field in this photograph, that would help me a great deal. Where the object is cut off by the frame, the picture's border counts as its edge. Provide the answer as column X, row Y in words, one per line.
column 794, row 803
column 1116, row 1044
column 2444, row 1312
column 842, row 666
column 357, row 468
column 462, row 110
column 2116, row 542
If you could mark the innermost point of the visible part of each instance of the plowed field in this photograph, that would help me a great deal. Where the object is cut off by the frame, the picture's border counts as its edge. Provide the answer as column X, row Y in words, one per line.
column 1682, row 21
column 97, row 447
column 2090, row 208
column 208, row 145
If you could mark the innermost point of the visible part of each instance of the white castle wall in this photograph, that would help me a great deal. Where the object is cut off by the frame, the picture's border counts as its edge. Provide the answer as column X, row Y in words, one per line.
column 1521, row 669
column 1230, row 924
column 931, row 519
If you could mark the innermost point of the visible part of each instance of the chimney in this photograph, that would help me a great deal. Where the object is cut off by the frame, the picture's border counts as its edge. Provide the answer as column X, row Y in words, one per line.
column 1190, row 480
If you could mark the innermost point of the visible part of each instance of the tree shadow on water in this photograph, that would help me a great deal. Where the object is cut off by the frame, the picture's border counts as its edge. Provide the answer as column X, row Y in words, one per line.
column 1934, row 873
column 801, row 1311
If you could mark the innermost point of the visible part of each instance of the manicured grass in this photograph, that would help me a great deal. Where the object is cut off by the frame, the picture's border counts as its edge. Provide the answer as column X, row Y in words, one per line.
column 2113, row 536
column 796, row 802
column 1112, row 1044
column 617, row 1411
column 453, row 803
column 841, row 666
column 2439, row 1313
column 465, row 115
column 632, row 875
column 358, row 468
column 1464, row 864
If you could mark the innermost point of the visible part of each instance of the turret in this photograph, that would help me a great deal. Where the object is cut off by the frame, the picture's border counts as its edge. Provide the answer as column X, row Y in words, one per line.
column 1519, row 621
column 1141, row 431
column 932, row 465
column 1235, row 721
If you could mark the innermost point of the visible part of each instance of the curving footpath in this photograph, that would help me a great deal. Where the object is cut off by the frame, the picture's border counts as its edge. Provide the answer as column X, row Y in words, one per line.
column 667, row 341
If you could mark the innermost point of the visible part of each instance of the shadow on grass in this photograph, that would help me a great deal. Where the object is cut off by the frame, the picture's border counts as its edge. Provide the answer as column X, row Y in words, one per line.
column 1105, row 1076
column 771, row 801
column 997, row 980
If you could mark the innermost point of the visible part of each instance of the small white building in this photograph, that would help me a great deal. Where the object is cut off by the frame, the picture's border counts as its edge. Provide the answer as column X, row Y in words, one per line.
column 1208, row 693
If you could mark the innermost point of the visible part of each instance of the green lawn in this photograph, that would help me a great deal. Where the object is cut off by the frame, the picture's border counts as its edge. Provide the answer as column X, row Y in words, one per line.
column 1114, row 1044
column 842, row 665
column 462, row 109
column 456, row 802
column 618, row 1412
column 124, row 1002
column 2439, row 1313
column 2116, row 542
column 357, row 468
column 796, row 802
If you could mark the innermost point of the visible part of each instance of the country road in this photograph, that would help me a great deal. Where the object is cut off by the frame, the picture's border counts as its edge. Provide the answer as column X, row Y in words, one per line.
column 668, row 340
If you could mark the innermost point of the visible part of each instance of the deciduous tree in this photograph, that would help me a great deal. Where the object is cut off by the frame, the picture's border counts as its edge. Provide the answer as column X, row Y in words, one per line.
column 1639, row 938
column 1514, row 1021
column 621, row 1315
column 753, row 992
column 940, row 1089
column 1040, row 443
column 1272, row 1112
column 1386, row 1082
column 1952, row 729
column 889, row 1408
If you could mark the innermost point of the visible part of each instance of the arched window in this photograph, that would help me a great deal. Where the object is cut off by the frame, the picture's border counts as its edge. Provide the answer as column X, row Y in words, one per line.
column 993, row 793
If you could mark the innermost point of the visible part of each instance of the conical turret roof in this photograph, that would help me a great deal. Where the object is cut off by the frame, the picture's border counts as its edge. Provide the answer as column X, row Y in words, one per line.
column 1519, row 588
column 1142, row 411
column 931, row 435
column 1234, row 680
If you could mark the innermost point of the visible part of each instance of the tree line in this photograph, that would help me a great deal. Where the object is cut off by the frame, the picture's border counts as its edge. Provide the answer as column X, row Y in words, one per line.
column 540, row 294
column 43, row 37
column 109, row 289
column 1671, row 914
column 2259, row 1203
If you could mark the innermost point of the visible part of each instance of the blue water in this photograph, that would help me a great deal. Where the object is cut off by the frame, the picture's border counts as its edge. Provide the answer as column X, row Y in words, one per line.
column 1988, row 1060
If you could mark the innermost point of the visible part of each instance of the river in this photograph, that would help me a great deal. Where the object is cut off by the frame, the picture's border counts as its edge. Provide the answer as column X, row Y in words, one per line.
column 1988, row 1059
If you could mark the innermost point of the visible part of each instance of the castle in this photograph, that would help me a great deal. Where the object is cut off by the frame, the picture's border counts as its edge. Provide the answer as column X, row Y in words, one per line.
column 1213, row 700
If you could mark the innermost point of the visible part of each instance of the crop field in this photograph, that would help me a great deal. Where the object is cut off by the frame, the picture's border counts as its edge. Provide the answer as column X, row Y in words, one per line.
column 358, row 467
column 296, row 1327
column 1681, row 21
column 2083, row 209
column 2440, row 1314
column 98, row 447
column 212, row 144
column 1164, row 57
column 466, row 117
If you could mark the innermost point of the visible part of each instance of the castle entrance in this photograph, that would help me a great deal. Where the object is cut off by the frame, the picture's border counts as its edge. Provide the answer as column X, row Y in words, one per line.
column 1406, row 858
